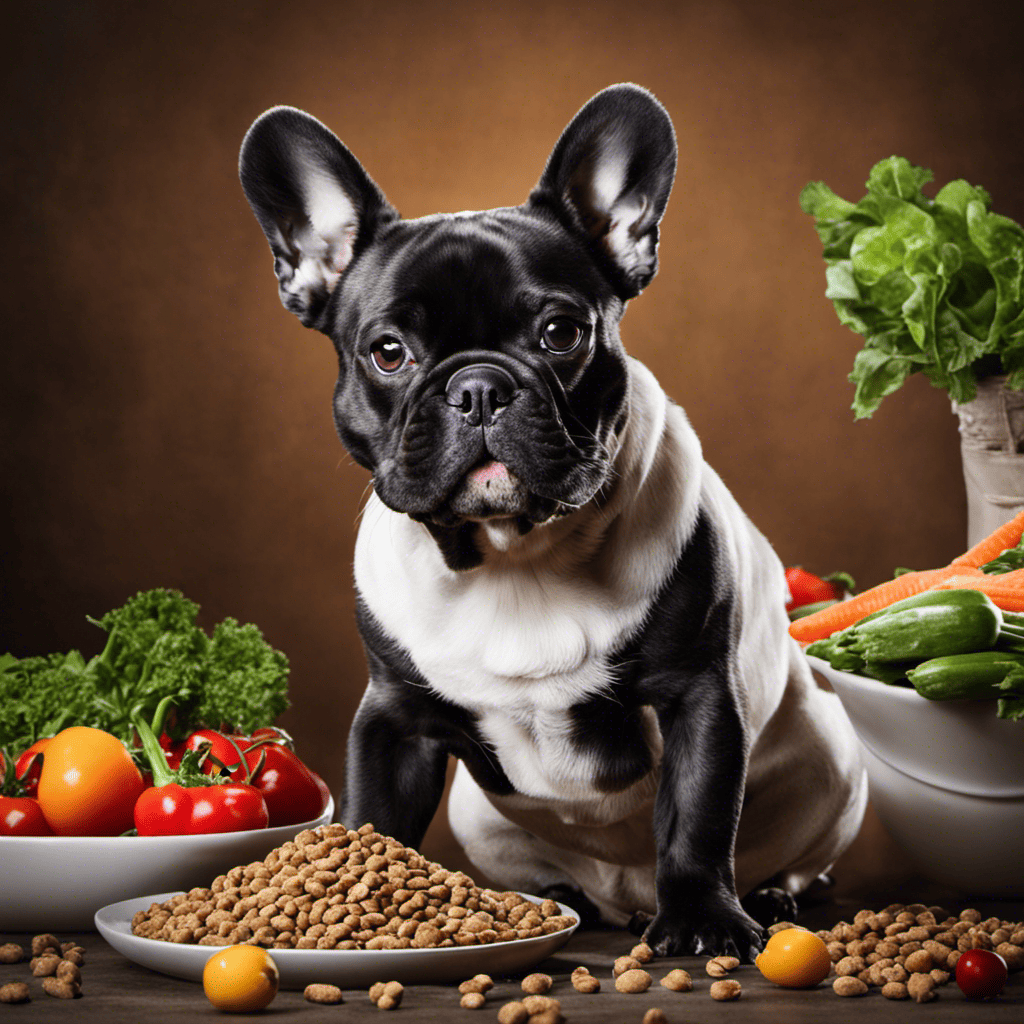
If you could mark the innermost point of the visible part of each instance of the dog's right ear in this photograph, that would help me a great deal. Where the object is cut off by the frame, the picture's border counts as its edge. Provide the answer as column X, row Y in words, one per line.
column 315, row 203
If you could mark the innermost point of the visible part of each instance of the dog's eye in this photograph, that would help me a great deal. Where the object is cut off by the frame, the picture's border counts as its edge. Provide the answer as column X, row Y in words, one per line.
column 389, row 354
column 561, row 335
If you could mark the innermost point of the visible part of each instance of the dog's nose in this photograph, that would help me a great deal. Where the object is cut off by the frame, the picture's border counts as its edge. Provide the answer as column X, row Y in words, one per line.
column 480, row 391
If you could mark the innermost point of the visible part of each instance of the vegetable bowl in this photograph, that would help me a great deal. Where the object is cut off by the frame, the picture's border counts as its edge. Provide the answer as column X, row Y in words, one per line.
column 946, row 778
column 59, row 882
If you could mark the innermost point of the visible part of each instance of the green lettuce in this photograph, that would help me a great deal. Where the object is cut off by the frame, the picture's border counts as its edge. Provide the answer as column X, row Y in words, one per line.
column 935, row 286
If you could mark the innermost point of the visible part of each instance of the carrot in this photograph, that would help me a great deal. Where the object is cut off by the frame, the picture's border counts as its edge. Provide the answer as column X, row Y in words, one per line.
column 1006, row 589
column 1006, row 536
column 824, row 623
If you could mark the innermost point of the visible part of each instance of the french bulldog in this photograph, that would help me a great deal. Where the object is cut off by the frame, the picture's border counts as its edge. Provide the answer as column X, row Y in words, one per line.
column 553, row 587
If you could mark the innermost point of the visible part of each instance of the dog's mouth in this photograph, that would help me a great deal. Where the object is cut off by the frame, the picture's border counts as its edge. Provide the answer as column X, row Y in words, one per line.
column 490, row 490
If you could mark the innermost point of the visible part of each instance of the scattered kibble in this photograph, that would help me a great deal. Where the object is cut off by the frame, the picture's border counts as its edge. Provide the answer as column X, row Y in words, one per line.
column 655, row 1015
column 583, row 981
column 15, row 992
column 894, row 990
column 720, row 966
column 537, row 984
column 387, row 994
column 479, row 983
column 623, row 964
column 11, row 953
column 472, row 1000
column 536, row 1004
column 642, row 952
column 678, row 980
column 322, row 993
column 61, row 989
column 724, row 991
column 513, row 1013
column 633, row 981
column 847, row 985
column 44, row 942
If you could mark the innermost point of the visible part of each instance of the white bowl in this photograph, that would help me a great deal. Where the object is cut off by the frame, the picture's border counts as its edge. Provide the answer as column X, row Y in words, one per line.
column 946, row 778
column 346, row 968
column 49, row 883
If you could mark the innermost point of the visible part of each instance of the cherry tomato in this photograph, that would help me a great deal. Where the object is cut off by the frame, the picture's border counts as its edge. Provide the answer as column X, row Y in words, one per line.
column 223, row 748
column 806, row 588
column 240, row 979
column 89, row 783
column 292, row 792
column 230, row 808
column 29, row 766
column 163, row 811
column 981, row 974
column 21, row 816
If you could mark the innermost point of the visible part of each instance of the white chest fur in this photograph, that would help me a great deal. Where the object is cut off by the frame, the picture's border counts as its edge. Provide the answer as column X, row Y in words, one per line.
column 528, row 634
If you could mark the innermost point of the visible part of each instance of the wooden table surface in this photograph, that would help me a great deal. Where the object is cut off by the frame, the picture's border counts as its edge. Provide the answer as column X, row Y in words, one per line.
column 116, row 990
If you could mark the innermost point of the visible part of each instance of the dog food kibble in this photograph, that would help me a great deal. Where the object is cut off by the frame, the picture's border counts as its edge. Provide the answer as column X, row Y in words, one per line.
column 513, row 1013
column 655, row 1015
column 623, row 964
column 633, row 981
column 906, row 942
column 724, row 991
column 472, row 1000
column 720, row 966
column 537, row 984
column 387, row 994
column 15, row 992
column 583, row 981
column 61, row 989
column 336, row 888
column 323, row 994
column 42, row 943
column 794, row 958
column 240, row 979
column 478, row 983
column 541, row 1004
column 44, row 966
column 847, row 985
column 11, row 953
column 642, row 952
column 678, row 980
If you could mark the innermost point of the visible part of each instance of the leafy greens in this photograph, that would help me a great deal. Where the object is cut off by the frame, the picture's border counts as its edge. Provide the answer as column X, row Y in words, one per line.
column 154, row 650
column 935, row 286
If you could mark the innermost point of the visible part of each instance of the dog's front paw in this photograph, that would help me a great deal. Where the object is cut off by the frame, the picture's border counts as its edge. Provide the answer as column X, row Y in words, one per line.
column 723, row 931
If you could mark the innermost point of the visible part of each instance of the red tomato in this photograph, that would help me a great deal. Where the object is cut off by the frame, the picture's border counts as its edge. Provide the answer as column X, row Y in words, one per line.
column 806, row 588
column 29, row 766
column 981, row 974
column 292, row 792
column 163, row 811
column 223, row 748
column 21, row 816
column 89, row 783
column 230, row 808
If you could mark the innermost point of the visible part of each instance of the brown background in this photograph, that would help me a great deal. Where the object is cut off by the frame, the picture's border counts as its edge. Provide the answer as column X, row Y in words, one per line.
column 166, row 422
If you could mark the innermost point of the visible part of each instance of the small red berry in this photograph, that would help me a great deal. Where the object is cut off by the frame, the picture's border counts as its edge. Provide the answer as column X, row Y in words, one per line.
column 981, row 974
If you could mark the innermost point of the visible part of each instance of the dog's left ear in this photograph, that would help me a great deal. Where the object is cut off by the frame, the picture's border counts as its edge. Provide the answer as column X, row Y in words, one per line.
column 610, row 175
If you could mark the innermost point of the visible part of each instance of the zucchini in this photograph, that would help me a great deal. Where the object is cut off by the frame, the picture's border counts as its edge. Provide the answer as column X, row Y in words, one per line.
column 981, row 675
column 928, row 625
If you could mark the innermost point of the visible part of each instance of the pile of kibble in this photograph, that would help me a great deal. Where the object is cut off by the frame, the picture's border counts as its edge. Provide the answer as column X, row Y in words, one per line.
column 907, row 951
column 335, row 888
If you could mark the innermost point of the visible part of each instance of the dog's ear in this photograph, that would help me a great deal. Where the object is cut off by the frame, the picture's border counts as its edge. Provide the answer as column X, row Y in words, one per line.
column 315, row 203
column 609, row 177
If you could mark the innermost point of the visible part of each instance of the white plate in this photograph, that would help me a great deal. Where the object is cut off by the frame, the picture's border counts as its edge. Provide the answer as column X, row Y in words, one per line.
column 346, row 968
column 57, row 883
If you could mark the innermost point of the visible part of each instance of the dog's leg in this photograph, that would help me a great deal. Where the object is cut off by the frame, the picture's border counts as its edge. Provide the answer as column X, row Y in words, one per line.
column 394, row 777
column 696, row 813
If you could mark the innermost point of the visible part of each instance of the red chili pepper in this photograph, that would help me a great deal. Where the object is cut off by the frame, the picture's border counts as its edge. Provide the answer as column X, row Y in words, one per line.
column 806, row 588
column 199, row 806
column 21, row 816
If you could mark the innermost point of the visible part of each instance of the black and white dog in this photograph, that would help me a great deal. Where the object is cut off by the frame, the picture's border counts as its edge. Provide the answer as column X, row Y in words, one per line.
column 553, row 585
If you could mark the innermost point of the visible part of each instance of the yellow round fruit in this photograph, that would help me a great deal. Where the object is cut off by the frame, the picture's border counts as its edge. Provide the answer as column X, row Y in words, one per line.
column 240, row 979
column 794, row 958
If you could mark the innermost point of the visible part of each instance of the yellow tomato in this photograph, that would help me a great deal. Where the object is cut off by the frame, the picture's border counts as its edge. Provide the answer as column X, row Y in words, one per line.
column 240, row 979
column 89, row 784
column 794, row 958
